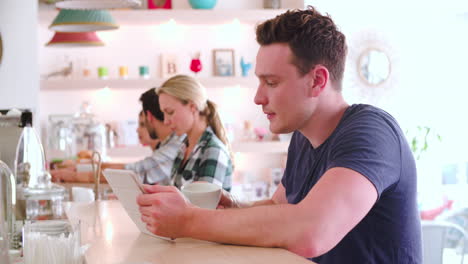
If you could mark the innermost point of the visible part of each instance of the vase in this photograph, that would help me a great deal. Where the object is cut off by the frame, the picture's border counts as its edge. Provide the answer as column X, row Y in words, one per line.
column 195, row 65
column 272, row 4
column 159, row 4
column 202, row 4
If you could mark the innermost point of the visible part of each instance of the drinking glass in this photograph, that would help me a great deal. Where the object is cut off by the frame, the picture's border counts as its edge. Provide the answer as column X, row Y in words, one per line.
column 4, row 245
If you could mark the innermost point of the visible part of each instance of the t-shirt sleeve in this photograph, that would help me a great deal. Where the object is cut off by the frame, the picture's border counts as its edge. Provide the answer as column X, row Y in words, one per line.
column 370, row 146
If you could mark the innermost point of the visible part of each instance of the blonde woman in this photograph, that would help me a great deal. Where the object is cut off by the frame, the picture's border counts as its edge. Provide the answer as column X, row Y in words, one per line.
column 205, row 156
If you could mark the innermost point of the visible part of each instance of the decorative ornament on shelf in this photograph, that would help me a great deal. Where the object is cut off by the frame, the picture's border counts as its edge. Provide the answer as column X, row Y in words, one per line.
column 144, row 72
column 83, row 21
column 245, row 67
column 260, row 132
column 195, row 64
column 159, row 4
column 202, row 4
column 169, row 65
column 63, row 72
column 272, row 4
column 97, row 4
column 75, row 39
column 248, row 133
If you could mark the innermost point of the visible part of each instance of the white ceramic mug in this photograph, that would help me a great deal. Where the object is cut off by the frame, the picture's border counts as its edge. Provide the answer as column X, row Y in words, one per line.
column 203, row 194
column 82, row 194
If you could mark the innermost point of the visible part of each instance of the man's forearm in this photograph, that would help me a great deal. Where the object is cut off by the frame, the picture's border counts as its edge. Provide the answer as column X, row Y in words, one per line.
column 109, row 165
column 266, row 226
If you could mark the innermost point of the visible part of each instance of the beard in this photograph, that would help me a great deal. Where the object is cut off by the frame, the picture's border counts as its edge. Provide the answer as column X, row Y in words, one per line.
column 151, row 130
column 152, row 133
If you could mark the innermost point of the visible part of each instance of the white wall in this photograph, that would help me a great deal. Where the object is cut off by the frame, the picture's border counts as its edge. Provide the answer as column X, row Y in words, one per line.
column 427, row 42
column 19, row 80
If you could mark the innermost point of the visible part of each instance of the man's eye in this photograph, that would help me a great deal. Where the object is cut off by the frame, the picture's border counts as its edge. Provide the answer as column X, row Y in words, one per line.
column 269, row 83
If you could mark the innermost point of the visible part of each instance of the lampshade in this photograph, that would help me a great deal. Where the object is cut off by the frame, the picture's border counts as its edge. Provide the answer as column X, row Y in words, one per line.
column 69, row 20
column 97, row 4
column 75, row 39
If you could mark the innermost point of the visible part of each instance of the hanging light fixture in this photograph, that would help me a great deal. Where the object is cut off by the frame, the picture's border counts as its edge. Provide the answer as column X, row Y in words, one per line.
column 69, row 20
column 75, row 39
column 97, row 4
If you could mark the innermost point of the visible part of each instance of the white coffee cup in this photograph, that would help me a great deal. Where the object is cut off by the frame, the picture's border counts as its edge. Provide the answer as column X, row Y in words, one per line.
column 203, row 194
column 82, row 194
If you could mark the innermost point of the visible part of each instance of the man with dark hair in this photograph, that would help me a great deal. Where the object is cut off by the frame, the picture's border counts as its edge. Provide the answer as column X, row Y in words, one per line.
column 157, row 168
column 153, row 169
column 348, row 193
column 150, row 103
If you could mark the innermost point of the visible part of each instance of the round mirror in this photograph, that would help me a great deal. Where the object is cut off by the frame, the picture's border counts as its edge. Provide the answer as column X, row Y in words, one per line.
column 374, row 67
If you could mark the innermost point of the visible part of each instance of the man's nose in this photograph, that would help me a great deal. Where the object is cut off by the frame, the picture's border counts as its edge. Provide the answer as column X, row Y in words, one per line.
column 260, row 98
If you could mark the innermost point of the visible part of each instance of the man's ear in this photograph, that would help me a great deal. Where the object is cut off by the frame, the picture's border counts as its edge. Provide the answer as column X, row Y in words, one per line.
column 319, row 77
column 149, row 116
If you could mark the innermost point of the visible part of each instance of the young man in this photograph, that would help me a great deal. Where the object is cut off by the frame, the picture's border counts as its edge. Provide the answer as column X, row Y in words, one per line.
column 349, row 189
column 156, row 168
column 153, row 169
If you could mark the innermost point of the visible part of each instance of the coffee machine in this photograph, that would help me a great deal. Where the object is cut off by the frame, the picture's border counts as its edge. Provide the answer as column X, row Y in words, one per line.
column 10, row 132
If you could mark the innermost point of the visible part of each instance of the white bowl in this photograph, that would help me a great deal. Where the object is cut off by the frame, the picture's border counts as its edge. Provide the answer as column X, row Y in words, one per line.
column 203, row 194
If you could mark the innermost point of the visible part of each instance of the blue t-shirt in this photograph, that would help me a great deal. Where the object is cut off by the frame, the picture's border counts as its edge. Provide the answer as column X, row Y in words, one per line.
column 369, row 141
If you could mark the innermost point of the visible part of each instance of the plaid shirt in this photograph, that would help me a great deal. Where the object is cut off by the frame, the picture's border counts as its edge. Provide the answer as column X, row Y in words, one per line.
column 157, row 168
column 209, row 161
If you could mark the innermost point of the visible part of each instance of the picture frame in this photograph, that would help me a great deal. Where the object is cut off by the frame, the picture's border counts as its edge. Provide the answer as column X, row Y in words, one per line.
column 224, row 62
column 169, row 65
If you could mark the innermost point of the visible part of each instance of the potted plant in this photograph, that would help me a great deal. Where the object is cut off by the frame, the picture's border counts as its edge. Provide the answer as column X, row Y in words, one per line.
column 420, row 138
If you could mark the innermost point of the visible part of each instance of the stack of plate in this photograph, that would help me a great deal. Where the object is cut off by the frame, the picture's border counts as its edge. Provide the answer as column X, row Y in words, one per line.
column 51, row 227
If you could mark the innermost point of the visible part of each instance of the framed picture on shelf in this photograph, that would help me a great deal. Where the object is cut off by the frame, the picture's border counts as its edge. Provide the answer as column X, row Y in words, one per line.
column 223, row 62
column 169, row 65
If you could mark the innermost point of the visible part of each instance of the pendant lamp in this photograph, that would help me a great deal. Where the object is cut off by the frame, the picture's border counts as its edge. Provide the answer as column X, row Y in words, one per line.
column 75, row 39
column 69, row 20
column 97, row 4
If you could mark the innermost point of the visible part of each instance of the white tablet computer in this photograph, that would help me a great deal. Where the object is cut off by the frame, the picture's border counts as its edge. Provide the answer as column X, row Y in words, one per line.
column 126, row 185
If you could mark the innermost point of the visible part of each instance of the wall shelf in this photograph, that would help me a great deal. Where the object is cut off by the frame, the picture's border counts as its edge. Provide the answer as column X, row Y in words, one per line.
column 91, row 84
column 182, row 16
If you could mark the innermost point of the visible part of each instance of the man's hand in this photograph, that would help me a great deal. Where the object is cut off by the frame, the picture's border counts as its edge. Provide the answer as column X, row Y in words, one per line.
column 71, row 175
column 63, row 175
column 164, row 210
column 228, row 201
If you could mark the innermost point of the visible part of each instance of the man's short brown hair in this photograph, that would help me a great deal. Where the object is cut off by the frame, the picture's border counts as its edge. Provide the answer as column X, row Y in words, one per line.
column 312, row 37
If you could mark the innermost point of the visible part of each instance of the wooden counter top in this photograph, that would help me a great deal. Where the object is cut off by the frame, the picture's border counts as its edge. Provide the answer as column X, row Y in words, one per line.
column 114, row 238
